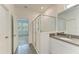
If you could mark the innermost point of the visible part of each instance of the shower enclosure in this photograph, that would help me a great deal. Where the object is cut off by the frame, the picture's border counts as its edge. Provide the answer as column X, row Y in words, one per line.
column 41, row 27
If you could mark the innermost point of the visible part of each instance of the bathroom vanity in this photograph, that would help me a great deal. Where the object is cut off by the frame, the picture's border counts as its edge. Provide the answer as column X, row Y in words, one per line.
column 61, row 44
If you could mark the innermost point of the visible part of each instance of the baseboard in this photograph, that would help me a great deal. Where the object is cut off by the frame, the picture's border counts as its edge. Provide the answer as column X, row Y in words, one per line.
column 16, row 50
column 34, row 48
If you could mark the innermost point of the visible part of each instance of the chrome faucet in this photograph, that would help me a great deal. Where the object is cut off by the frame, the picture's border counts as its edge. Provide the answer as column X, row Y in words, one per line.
column 70, row 36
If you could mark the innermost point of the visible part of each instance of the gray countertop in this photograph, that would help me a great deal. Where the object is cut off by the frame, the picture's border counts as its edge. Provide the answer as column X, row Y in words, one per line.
column 73, row 41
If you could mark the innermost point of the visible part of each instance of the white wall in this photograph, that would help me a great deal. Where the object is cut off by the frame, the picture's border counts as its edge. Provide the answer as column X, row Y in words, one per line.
column 47, row 24
column 54, row 10
column 10, row 7
column 51, row 11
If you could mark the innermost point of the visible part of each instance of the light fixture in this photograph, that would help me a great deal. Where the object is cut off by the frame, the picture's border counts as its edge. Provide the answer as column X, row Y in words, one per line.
column 42, row 8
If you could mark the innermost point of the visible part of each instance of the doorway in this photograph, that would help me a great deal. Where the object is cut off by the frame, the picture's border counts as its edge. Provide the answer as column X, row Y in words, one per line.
column 22, row 31
column 22, row 28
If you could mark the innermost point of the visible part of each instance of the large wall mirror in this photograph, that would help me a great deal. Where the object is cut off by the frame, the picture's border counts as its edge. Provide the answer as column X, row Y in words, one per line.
column 68, row 21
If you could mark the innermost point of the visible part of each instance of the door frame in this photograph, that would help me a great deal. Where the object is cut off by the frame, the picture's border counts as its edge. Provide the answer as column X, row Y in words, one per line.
column 12, row 35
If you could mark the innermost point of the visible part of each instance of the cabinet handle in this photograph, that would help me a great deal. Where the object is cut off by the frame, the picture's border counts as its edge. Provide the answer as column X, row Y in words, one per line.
column 14, row 35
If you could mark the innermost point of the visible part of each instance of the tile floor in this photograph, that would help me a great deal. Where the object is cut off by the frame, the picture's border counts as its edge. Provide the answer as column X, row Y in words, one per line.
column 24, row 47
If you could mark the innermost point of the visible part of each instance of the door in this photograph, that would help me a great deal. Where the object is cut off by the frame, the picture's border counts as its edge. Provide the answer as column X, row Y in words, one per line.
column 5, row 31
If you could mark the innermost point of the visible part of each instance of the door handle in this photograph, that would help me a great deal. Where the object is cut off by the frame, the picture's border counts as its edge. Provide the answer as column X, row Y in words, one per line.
column 6, row 37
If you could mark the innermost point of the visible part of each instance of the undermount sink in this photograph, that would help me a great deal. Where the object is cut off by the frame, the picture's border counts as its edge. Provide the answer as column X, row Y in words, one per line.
column 63, row 38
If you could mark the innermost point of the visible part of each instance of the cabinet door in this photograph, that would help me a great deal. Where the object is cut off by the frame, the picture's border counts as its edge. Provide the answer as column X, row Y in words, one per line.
column 44, row 43
column 60, row 47
column 5, row 31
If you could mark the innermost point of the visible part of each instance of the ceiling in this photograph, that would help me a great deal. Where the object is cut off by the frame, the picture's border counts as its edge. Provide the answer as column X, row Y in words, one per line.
column 34, row 7
column 30, row 10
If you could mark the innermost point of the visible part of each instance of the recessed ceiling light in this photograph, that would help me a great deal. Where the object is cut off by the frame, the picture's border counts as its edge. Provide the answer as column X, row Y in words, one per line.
column 42, row 8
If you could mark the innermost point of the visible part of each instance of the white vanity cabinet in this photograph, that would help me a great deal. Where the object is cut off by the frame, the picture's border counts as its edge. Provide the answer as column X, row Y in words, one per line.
column 61, row 47
column 44, row 43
